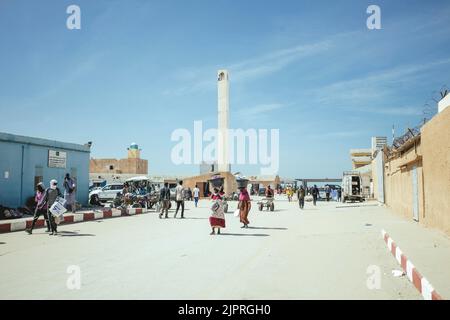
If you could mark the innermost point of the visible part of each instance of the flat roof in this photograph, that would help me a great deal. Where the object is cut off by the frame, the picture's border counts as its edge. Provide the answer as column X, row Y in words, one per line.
column 360, row 151
column 14, row 138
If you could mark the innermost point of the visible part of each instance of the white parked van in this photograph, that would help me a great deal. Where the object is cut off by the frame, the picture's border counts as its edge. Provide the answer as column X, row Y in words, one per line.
column 352, row 188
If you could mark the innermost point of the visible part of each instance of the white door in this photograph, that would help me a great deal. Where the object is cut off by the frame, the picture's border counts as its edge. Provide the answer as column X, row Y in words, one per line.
column 415, row 194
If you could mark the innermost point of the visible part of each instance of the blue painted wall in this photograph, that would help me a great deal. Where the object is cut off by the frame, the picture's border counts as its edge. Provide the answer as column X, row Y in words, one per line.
column 21, row 160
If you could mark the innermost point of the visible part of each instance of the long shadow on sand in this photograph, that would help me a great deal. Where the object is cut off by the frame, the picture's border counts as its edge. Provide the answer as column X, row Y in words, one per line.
column 244, row 234
column 267, row 228
column 74, row 234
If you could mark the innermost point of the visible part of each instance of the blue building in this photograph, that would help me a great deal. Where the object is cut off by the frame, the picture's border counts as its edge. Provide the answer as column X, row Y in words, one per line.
column 26, row 161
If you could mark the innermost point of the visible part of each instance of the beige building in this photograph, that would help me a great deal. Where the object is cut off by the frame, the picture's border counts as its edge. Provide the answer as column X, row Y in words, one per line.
column 360, row 157
column 274, row 182
column 131, row 166
column 415, row 177
column 201, row 181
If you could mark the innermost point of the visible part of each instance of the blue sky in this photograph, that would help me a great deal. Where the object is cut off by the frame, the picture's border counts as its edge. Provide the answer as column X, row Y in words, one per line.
column 137, row 70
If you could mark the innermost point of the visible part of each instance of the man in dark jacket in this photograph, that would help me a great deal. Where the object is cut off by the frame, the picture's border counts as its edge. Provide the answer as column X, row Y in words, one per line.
column 69, row 193
column 315, row 194
column 51, row 195
column 301, row 197
column 165, row 200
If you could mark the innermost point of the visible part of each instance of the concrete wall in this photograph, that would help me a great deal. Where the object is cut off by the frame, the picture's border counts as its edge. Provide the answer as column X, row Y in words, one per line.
column 128, row 166
column 399, row 182
column 436, row 167
column 20, row 184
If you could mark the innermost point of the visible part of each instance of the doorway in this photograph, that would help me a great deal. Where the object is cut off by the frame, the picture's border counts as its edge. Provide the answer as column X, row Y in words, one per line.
column 415, row 191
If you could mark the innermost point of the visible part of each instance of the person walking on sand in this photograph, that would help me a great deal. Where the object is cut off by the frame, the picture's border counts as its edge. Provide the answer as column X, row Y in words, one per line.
column 180, row 195
column 244, row 206
column 217, row 218
column 315, row 194
column 327, row 192
column 301, row 197
column 290, row 193
column 41, row 208
column 339, row 194
column 196, row 193
column 51, row 195
column 164, row 194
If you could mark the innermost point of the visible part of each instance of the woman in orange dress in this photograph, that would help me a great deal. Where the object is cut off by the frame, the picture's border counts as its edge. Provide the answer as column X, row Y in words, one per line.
column 244, row 206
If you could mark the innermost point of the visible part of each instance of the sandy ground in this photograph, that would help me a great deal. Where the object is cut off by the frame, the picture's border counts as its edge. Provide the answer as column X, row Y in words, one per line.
column 322, row 252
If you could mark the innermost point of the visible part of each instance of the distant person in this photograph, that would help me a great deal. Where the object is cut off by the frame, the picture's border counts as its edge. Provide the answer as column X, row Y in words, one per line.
column 217, row 218
column 339, row 194
column 244, row 206
column 179, row 197
column 288, row 193
column 327, row 192
column 269, row 192
column 41, row 207
column 164, row 194
column 334, row 194
column 315, row 194
column 301, row 197
column 51, row 195
column 69, row 193
column 196, row 194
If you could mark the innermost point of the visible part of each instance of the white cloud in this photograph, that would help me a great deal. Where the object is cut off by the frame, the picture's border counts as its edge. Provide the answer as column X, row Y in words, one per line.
column 261, row 109
column 403, row 111
column 368, row 90
column 275, row 61
column 203, row 78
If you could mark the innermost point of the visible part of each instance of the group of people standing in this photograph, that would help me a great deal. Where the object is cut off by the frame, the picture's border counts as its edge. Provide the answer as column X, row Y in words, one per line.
column 46, row 197
column 314, row 192
column 181, row 194
column 217, row 218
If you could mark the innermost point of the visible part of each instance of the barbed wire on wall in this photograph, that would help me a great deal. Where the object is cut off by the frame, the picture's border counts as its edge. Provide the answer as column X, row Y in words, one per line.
column 429, row 110
column 430, row 107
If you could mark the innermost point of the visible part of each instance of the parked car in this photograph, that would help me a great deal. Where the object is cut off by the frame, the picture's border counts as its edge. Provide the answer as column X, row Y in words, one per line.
column 107, row 193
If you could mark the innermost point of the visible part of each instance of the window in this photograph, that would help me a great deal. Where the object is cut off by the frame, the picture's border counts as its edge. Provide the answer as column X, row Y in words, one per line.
column 73, row 174
column 111, row 167
column 38, row 175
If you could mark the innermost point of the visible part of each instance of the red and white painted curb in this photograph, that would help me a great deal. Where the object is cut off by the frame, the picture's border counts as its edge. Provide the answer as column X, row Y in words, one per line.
column 20, row 225
column 421, row 284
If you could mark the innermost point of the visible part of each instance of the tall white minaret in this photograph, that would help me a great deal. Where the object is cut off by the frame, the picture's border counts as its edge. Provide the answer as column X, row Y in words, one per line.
column 223, row 94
